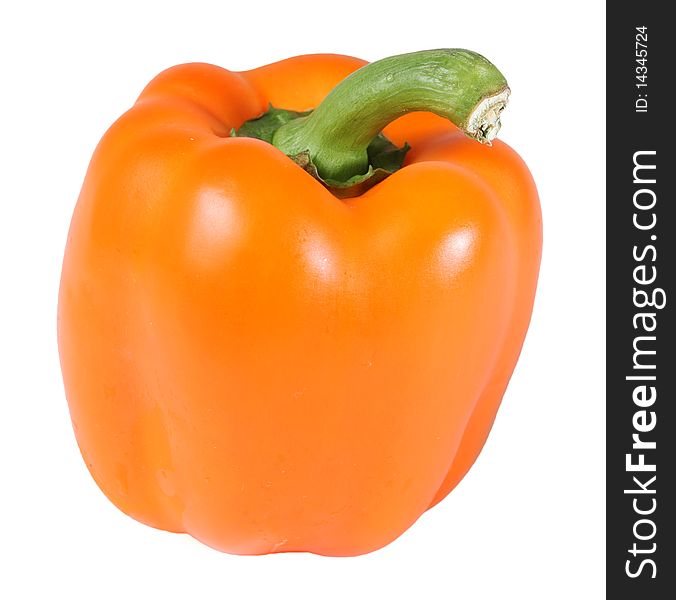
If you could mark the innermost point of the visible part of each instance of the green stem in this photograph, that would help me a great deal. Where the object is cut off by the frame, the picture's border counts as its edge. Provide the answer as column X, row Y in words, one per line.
column 459, row 85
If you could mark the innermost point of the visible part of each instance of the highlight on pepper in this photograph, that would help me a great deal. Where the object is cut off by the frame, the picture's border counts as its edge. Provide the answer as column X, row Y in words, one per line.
column 292, row 298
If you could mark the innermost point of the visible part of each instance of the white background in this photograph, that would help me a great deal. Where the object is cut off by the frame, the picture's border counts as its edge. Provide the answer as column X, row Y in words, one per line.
column 528, row 520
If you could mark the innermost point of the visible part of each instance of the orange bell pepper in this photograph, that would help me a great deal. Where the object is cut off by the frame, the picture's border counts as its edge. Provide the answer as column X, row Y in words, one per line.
column 255, row 361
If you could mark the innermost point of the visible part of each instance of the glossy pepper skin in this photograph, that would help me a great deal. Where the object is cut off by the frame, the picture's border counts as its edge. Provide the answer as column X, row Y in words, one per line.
column 268, row 368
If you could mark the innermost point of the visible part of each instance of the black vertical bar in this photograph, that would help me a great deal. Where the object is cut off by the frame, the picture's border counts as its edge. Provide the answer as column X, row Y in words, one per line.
column 641, row 271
